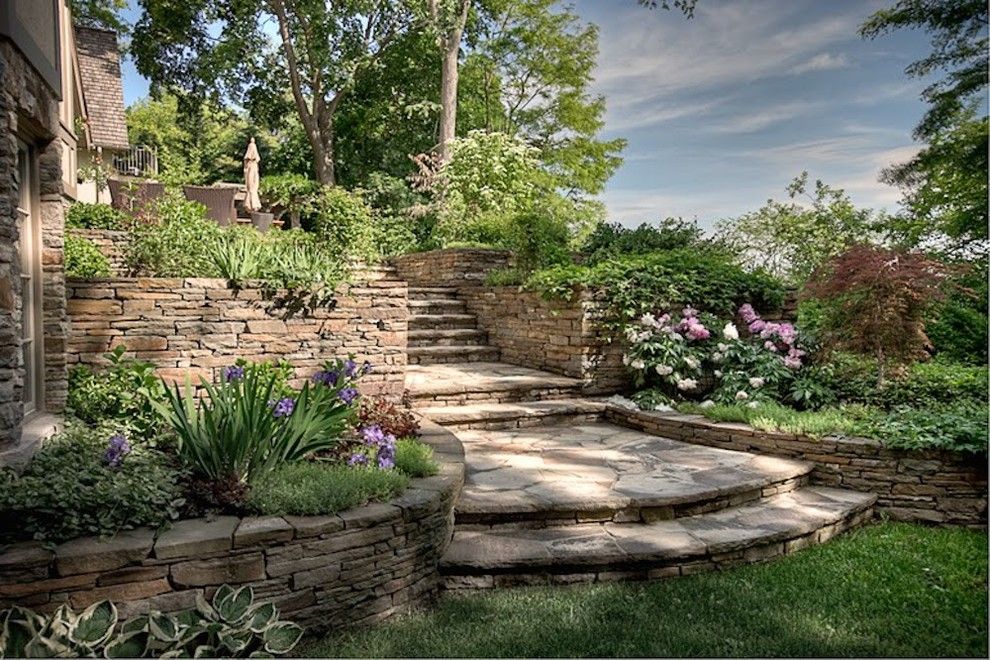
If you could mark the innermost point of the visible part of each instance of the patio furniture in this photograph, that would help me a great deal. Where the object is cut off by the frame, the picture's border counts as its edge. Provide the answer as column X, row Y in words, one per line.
column 219, row 202
column 133, row 196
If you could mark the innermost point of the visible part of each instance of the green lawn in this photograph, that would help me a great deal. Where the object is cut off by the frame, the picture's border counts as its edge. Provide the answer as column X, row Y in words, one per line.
column 890, row 589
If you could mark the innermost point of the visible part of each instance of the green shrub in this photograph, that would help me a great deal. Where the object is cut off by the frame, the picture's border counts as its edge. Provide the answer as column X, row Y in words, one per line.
column 415, row 458
column 342, row 224
column 71, row 487
column 82, row 215
column 958, row 332
column 317, row 488
column 537, row 240
column 240, row 432
column 84, row 259
column 960, row 426
column 399, row 224
column 123, row 391
column 177, row 242
column 662, row 281
column 611, row 240
column 231, row 626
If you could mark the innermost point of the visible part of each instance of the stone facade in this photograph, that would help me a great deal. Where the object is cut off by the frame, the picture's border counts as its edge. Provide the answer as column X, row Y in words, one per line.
column 197, row 326
column 929, row 486
column 359, row 566
column 29, row 111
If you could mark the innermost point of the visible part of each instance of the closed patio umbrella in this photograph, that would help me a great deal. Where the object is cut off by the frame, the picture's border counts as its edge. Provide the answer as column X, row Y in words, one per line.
column 252, row 160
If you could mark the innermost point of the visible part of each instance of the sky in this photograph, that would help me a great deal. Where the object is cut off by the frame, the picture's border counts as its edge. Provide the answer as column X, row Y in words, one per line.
column 721, row 111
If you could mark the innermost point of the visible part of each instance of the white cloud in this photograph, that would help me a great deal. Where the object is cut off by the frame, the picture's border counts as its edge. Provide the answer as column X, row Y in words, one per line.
column 762, row 118
column 821, row 62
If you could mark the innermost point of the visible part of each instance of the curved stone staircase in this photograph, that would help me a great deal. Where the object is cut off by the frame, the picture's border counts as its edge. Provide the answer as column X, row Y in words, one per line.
column 555, row 495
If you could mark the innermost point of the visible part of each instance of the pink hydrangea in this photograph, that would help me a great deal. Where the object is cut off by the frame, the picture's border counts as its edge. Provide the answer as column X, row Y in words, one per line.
column 756, row 327
column 792, row 362
column 697, row 331
column 770, row 346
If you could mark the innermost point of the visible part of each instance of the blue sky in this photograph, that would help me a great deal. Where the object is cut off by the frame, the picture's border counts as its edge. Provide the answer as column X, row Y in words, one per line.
column 723, row 110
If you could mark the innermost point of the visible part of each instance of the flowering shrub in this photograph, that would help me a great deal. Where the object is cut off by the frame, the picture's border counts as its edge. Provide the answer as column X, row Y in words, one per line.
column 696, row 356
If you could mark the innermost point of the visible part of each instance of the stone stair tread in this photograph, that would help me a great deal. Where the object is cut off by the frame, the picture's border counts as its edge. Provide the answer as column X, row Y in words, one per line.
column 492, row 411
column 585, row 547
column 449, row 333
column 472, row 377
column 445, row 290
column 600, row 469
column 441, row 317
column 448, row 350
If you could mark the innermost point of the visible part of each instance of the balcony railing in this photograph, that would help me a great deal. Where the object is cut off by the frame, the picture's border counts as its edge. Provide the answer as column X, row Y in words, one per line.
column 139, row 160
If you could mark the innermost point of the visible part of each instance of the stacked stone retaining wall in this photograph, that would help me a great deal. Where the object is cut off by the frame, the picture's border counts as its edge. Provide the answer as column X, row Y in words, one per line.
column 323, row 572
column 197, row 326
column 931, row 486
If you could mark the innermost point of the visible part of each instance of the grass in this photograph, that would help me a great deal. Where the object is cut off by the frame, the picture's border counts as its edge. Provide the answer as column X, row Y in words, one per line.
column 775, row 417
column 960, row 426
column 414, row 458
column 309, row 489
column 892, row 589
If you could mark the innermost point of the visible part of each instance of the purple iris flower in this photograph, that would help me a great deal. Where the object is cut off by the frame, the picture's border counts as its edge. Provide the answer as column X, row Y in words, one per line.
column 328, row 378
column 366, row 367
column 348, row 395
column 232, row 373
column 357, row 459
column 350, row 368
column 117, row 448
column 373, row 435
column 284, row 407
column 386, row 454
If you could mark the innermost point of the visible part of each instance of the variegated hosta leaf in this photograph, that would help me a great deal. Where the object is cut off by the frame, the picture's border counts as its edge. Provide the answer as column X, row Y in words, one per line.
column 223, row 593
column 204, row 608
column 262, row 616
column 281, row 637
column 46, row 647
column 95, row 624
column 236, row 640
column 136, row 624
column 235, row 606
column 163, row 627
column 130, row 645
column 205, row 651
column 16, row 633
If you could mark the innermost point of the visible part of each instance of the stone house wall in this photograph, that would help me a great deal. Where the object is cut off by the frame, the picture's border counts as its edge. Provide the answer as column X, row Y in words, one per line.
column 323, row 572
column 197, row 326
column 916, row 485
column 29, row 110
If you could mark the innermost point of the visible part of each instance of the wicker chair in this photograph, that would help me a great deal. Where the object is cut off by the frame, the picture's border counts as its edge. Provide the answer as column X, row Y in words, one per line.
column 219, row 202
column 132, row 197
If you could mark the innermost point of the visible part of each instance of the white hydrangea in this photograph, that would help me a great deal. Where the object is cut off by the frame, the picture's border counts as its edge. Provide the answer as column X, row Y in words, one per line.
column 756, row 382
column 718, row 373
column 691, row 362
column 686, row 384
column 723, row 347
column 730, row 331
column 631, row 333
column 626, row 359
column 717, row 357
column 664, row 369
column 648, row 320
column 707, row 403
column 638, row 364
column 741, row 396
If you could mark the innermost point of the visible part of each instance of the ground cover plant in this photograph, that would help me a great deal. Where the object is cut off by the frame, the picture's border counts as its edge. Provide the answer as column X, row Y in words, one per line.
column 890, row 589
column 230, row 625
column 84, row 259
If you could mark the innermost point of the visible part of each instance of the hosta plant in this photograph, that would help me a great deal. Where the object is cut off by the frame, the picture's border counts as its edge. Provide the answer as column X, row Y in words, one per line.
column 231, row 626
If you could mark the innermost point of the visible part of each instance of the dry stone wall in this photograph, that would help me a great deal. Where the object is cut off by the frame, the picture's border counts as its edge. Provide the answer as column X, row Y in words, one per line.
column 111, row 243
column 454, row 267
column 917, row 485
column 197, row 326
column 359, row 566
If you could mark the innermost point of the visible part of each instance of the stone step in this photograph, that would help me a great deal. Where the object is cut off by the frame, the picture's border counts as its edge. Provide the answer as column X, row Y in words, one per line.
column 475, row 382
column 489, row 415
column 431, row 292
column 450, row 337
column 448, row 354
column 437, row 306
column 442, row 321
column 568, row 474
column 596, row 552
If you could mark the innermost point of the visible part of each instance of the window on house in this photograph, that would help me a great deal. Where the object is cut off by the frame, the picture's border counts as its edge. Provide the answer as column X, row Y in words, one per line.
column 30, row 249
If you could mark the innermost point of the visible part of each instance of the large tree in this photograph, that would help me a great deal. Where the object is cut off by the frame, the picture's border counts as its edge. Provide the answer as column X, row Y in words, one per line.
column 945, row 185
column 248, row 51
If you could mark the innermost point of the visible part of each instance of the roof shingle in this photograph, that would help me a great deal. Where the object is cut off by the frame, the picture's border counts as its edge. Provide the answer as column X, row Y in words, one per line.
column 99, row 70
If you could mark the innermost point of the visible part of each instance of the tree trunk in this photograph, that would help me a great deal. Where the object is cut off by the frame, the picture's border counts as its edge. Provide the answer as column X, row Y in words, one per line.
column 448, row 80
